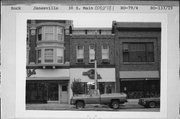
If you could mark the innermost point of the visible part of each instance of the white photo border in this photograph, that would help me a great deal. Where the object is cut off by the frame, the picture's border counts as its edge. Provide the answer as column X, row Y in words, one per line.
column 21, row 31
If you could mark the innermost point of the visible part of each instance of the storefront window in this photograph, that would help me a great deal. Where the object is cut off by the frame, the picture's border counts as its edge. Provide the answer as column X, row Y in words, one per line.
column 141, row 88
column 36, row 92
column 52, row 92
column 109, row 87
column 102, row 87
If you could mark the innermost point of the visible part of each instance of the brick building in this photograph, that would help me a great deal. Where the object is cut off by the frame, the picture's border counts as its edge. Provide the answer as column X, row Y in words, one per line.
column 137, row 58
column 127, row 54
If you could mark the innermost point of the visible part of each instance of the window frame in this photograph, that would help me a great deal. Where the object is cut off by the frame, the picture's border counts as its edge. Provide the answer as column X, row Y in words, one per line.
column 92, row 53
column 38, row 56
column 145, row 51
column 55, row 57
column 77, row 54
column 54, row 32
column 102, row 53
column 53, row 54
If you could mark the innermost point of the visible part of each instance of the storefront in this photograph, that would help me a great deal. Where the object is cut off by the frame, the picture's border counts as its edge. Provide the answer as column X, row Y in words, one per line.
column 48, row 86
column 106, row 79
column 138, row 84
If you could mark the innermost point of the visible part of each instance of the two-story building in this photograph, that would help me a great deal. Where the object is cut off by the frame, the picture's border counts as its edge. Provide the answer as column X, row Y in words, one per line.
column 137, row 59
column 127, row 55
column 86, row 45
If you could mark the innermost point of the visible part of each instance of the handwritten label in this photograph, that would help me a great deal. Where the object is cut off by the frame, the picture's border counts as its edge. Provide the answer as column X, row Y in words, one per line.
column 96, row 8
column 15, row 8
column 45, row 8
column 161, row 8
column 129, row 7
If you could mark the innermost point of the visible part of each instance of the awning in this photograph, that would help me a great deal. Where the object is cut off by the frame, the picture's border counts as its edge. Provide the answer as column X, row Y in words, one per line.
column 106, row 74
column 138, row 79
column 50, row 74
column 139, row 74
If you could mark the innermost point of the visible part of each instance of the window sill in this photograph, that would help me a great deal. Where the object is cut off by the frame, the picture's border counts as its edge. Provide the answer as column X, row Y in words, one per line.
column 138, row 63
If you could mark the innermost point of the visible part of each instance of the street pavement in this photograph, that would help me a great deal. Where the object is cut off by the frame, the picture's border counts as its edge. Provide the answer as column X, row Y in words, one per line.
column 131, row 105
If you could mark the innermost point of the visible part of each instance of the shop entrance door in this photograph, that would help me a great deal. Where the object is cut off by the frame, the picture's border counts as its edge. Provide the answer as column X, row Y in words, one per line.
column 63, row 93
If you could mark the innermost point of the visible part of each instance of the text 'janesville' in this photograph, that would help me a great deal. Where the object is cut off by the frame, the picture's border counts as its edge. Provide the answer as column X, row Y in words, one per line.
column 45, row 8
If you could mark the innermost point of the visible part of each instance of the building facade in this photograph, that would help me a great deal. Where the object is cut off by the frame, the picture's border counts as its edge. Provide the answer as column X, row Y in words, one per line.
column 127, row 55
column 138, row 47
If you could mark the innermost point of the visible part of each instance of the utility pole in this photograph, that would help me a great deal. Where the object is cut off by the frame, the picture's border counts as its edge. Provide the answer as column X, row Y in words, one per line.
column 95, row 74
column 95, row 64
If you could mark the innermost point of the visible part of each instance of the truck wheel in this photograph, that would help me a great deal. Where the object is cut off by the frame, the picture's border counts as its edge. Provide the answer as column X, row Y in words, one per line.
column 115, row 104
column 79, row 105
column 152, row 104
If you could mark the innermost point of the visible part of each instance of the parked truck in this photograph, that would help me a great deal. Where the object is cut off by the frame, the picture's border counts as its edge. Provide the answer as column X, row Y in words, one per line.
column 113, row 100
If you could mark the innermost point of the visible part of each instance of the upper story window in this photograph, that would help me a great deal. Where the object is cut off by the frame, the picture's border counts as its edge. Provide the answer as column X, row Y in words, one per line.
column 39, row 57
column 80, row 53
column 50, row 33
column 59, row 55
column 40, row 34
column 138, row 52
column 105, row 51
column 60, row 33
column 91, row 53
column 105, row 54
column 50, row 55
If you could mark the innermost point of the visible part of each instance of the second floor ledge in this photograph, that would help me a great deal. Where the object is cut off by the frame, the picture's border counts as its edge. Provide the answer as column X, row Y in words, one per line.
column 48, row 65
